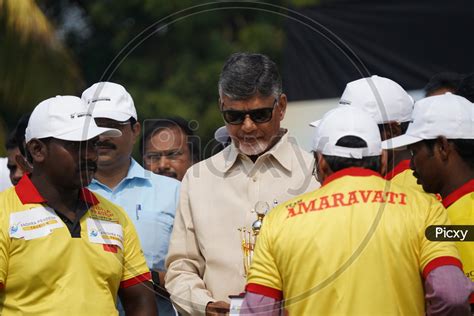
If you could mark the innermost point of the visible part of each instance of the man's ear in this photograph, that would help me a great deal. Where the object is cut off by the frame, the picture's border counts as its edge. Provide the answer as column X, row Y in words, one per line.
column 282, row 102
column 136, row 129
column 37, row 149
column 324, row 170
column 443, row 147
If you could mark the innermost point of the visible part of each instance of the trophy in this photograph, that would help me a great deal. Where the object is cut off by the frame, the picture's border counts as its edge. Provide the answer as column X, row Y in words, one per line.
column 248, row 237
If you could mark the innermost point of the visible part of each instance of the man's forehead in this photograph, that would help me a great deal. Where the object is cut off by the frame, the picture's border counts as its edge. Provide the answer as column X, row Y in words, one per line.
column 254, row 102
column 165, row 132
column 169, row 137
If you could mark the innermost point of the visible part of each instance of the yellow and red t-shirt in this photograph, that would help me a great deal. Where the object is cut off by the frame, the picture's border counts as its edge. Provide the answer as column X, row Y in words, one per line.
column 44, row 270
column 460, row 206
column 402, row 175
column 357, row 245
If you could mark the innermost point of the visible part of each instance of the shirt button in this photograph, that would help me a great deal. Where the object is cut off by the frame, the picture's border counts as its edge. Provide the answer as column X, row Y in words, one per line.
column 254, row 179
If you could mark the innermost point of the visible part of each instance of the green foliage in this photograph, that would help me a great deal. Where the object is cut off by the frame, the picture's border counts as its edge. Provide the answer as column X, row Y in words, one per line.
column 168, row 54
column 175, row 70
column 34, row 65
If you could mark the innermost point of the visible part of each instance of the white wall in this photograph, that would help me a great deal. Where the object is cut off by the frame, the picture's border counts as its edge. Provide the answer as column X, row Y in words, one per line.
column 300, row 114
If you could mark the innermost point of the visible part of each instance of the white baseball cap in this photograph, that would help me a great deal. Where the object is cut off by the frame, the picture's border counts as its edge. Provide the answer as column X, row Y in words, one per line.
column 447, row 115
column 64, row 117
column 109, row 100
column 222, row 135
column 384, row 99
column 347, row 121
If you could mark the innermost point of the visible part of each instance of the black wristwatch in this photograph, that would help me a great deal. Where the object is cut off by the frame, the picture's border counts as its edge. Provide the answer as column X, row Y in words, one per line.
column 155, row 277
column 157, row 286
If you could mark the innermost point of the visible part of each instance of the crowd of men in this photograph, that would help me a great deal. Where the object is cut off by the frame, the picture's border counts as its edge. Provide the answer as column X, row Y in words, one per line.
column 88, row 230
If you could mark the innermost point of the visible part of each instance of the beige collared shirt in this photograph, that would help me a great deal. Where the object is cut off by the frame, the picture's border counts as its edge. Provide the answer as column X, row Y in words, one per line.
column 205, row 261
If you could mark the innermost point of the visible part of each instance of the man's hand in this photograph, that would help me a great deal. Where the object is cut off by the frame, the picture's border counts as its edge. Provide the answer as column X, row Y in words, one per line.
column 217, row 308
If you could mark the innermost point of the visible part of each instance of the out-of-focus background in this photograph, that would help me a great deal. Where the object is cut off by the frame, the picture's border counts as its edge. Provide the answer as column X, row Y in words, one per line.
column 168, row 54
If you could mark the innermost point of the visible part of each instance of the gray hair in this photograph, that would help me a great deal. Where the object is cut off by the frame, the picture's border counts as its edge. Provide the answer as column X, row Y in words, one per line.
column 246, row 74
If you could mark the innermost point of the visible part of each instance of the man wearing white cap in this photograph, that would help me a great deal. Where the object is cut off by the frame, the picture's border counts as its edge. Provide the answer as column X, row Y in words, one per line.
column 441, row 140
column 391, row 107
column 150, row 200
column 355, row 246
column 63, row 249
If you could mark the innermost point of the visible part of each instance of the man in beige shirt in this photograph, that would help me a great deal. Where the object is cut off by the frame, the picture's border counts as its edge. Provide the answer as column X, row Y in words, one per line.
column 263, row 163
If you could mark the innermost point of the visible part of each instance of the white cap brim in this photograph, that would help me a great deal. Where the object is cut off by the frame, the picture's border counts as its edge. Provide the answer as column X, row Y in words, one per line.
column 89, row 133
column 315, row 123
column 116, row 116
column 400, row 141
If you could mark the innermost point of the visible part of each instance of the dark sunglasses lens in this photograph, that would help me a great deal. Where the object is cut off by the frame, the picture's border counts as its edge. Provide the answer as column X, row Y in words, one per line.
column 233, row 117
column 262, row 115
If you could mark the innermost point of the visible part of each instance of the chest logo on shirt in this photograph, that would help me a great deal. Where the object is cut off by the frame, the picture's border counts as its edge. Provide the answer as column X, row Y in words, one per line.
column 33, row 223
column 103, row 214
column 104, row 232
column 345, row 199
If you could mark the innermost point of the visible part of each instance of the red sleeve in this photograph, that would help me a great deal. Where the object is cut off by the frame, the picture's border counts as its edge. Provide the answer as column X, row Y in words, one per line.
column 135, row 280
column 441, row 261
column 264, row 290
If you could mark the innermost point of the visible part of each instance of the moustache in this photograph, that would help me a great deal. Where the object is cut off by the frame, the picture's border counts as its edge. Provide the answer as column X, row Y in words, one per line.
column 167, row 173
column 106, row 144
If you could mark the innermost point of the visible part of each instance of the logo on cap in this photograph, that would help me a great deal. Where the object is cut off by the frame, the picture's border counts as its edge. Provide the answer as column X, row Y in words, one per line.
column 81, row 114
column 99, row 99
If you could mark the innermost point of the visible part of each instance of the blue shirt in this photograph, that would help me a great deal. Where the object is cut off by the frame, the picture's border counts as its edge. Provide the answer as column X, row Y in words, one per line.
column 150, row 201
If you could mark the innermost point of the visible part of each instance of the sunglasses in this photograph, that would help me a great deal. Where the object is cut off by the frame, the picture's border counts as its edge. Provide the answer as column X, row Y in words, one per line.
column 261, row 115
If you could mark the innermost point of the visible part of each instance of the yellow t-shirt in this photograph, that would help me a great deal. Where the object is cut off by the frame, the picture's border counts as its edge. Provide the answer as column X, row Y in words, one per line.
column 355, row 246
column 403, row 176
column 460, row 206
column 45, row 271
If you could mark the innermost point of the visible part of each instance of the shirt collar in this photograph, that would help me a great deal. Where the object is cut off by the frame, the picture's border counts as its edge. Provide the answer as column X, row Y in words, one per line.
column 135, row 171
column 281, row 151
column 28, row 194
column 353, row 171
column 402, row 166
column 466, row 188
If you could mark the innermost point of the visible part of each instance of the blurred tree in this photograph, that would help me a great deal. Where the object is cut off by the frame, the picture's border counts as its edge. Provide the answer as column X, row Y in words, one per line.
column 33, row 63
column 168, row 54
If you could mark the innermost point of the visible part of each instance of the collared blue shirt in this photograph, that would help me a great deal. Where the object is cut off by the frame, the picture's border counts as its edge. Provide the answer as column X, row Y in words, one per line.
column 150, row 201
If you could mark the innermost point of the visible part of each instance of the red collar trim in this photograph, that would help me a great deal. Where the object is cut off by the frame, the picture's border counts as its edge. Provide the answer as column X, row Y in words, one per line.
column 466, row 188
column 402, row 166
column 88, row 197
column 353, row 171
column 27, row 193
